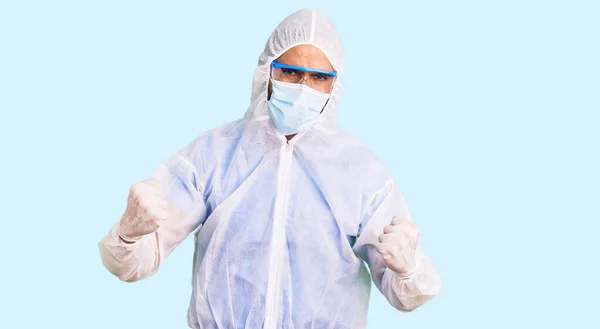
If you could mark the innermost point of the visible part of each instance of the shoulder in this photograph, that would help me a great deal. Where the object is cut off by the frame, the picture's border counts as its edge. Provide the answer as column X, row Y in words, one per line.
column 215, row 137
column 344, row 156
column 211, row 143
column 353, row 150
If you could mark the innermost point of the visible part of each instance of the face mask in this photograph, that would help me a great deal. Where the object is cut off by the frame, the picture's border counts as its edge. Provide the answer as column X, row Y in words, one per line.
column 295, row 107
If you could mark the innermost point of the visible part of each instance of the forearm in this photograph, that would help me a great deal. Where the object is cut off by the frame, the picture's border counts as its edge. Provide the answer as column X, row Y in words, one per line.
column 129, row 261
column 407, row 294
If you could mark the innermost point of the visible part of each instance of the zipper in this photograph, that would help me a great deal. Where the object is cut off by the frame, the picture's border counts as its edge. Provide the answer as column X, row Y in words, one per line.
column 277, row 240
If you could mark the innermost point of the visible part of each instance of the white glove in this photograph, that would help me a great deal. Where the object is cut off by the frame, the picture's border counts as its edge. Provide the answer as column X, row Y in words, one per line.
column 398, row 246
column 146, row 209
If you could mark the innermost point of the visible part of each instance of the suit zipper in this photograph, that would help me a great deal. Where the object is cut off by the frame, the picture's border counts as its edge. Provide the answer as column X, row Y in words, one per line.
column 277, row 240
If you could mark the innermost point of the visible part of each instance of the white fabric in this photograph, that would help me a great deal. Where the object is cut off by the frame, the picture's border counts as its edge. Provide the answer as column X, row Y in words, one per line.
column 283, row 230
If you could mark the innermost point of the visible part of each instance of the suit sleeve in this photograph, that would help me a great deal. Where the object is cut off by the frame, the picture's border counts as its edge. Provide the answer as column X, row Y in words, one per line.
column 187, row 211
column 405, row 294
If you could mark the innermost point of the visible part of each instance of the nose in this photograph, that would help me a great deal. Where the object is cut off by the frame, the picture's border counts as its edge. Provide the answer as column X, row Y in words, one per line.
column 303, row 79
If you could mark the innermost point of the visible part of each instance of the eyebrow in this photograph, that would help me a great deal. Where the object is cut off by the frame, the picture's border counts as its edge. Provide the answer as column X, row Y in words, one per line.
column 283, row 66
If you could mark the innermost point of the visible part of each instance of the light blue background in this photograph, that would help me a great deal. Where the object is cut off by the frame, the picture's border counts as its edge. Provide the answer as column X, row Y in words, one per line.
column 485, row 111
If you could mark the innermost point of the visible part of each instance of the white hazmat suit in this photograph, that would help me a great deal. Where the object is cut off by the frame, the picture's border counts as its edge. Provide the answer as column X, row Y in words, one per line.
column 284, row 230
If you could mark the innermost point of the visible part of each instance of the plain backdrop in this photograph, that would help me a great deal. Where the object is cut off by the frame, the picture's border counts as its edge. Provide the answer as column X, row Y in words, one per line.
column 486, row 112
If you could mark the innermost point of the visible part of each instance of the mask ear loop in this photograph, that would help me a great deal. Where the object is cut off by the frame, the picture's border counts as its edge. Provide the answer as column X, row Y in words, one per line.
column 330, row 94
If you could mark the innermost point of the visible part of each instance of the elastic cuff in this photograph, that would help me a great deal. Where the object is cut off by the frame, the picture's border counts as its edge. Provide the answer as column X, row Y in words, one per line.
column 408, row 274
column 405, row 276
column 122, row 237
column 129, row 240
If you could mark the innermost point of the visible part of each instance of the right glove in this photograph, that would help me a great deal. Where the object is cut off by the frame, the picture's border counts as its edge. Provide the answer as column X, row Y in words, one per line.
column 398, row 246
column 146, row 209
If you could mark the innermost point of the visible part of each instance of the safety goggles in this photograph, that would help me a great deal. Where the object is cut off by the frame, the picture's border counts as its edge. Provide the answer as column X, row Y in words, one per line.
column 316, row 79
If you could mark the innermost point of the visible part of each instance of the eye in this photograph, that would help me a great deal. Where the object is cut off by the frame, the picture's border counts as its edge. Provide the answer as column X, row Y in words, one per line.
column 289, row 71
column 321, row 77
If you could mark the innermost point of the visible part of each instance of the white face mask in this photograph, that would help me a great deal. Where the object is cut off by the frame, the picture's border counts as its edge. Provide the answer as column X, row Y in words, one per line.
column 295, row 107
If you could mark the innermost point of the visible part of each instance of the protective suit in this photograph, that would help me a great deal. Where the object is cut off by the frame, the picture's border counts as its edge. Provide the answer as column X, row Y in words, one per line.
column 284, row 230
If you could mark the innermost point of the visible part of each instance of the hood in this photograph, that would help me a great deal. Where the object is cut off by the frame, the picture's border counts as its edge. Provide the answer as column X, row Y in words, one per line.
column 306, row 26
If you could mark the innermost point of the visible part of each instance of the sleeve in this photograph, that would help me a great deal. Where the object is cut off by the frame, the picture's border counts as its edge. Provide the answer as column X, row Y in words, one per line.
column 187, row 211
column 405, row 294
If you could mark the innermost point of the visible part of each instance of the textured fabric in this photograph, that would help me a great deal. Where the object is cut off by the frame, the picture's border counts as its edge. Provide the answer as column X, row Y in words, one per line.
column 283, row 230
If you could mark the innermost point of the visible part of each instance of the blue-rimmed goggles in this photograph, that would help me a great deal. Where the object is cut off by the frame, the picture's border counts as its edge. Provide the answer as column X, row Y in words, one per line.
column 319, row 80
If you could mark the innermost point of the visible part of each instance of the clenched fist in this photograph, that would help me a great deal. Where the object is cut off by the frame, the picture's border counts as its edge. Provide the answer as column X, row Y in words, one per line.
column 146, row 209
column 398, row 245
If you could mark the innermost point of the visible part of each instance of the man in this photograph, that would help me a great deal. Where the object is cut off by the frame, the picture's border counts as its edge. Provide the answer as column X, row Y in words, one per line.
column 286, row 209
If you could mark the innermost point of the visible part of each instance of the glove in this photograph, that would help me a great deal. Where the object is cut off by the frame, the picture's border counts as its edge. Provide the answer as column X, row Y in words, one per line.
column 398, row 246
column 146, row 208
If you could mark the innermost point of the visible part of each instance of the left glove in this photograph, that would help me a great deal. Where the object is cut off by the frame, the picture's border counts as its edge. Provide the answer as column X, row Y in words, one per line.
column 398, row 245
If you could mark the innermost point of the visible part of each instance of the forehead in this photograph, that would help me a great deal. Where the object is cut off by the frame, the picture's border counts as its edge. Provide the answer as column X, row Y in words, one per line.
column 307, row 56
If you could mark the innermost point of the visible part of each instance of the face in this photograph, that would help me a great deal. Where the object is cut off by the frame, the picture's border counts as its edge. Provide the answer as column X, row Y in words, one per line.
column 306, row 56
